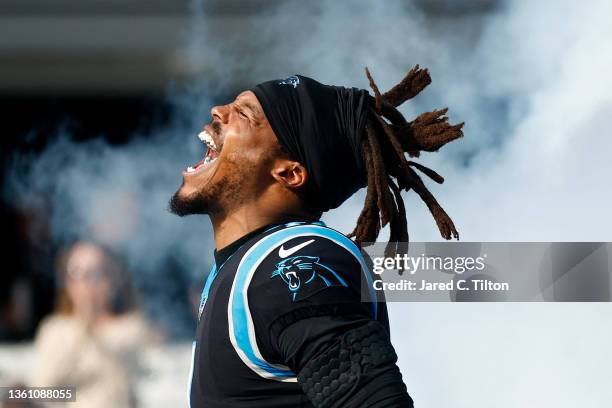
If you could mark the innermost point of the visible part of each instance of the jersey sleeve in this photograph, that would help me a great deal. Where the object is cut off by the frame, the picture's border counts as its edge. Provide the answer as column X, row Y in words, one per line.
column 305, row 277
column 344, row 361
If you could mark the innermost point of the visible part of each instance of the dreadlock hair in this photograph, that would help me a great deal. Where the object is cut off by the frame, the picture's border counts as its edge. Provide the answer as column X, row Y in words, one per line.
column 388, row 136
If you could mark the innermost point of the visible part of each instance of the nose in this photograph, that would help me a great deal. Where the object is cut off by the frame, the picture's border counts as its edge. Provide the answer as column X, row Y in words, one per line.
column 220, row 113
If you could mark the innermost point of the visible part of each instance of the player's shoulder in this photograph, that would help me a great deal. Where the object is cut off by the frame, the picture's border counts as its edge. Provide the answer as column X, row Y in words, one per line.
column 303, row 239
column 300, row 260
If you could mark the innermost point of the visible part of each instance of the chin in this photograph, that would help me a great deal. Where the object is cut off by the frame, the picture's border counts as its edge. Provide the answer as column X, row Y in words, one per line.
column 183, row 204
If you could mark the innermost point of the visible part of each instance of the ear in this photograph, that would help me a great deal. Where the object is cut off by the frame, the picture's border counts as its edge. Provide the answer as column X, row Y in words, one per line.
column 289, row 173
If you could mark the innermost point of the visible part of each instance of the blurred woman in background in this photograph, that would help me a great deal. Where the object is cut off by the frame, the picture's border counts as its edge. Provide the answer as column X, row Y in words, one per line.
column 93, row 338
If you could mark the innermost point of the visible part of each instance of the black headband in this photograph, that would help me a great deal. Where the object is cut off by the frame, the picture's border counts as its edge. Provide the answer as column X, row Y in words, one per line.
column 321, row 127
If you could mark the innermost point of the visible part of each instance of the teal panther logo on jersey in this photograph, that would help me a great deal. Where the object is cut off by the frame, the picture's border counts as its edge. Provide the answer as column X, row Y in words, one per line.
column 305, row 274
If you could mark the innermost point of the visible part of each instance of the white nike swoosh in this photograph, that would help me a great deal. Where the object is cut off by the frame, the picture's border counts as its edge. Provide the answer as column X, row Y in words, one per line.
column 283, row 253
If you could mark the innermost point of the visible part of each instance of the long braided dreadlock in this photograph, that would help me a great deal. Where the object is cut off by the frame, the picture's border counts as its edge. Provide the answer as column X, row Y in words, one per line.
column 388, row 137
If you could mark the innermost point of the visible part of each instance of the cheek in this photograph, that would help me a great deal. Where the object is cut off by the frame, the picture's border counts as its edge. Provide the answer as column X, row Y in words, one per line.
column 244, row 151
column 247, row 140
column 247, row 156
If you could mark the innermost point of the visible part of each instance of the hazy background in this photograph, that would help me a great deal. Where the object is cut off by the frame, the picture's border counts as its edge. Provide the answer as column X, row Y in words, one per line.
column 102, row 101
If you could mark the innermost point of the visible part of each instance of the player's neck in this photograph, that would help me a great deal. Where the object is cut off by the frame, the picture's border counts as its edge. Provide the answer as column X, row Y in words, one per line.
column 233, row 225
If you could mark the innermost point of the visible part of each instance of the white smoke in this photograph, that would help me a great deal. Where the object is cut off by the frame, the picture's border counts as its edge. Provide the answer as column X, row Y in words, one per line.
column 530, row 79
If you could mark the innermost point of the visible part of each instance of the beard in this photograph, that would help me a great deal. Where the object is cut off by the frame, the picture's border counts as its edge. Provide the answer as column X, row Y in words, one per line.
column 218, row 197
column 201, row 202
column 181, row 206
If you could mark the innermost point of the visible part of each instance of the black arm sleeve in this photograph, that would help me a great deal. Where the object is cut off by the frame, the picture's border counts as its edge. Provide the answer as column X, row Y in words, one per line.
column 344, row 361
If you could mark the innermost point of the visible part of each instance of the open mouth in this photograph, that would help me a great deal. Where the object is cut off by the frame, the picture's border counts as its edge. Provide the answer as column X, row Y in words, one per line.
column 212, row 153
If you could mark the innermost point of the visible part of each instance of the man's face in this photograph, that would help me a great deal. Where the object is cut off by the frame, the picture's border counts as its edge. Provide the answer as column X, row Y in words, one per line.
column 241, row 146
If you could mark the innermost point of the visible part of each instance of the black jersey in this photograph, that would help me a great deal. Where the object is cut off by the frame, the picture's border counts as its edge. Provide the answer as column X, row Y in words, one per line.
column 282, row 275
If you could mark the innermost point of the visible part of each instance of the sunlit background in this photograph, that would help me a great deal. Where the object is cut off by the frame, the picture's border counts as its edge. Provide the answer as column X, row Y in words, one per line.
column 101, row 102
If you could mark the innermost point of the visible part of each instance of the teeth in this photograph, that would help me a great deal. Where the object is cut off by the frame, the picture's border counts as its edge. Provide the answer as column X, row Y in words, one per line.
column 207, row 138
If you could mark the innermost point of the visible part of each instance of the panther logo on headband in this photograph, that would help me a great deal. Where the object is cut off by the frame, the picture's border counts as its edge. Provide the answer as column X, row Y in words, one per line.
column 305, row 275
column 293, row 80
